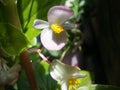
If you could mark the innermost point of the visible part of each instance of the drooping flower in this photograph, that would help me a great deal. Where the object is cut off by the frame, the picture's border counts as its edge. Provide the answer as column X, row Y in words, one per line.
column 66, row 75
column 8, row 76
column 53, row 35
column 73, row 57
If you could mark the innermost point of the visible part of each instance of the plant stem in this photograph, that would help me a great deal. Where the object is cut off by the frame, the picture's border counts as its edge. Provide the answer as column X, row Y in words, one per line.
column 11, row 13
column 64, row 53
column 42, row 56
column 29, row 70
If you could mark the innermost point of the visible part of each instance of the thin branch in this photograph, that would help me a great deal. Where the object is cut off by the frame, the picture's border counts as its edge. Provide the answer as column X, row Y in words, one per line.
column 42, row 56
column 29, row 70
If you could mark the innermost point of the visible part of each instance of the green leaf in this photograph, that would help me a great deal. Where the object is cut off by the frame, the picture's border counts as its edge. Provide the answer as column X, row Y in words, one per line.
column 2, row 16
column 32, row 9
column 99, row 87
column 44, row 79
column 23, row 83
column 34, row 56
column 12, row 40
column 86, row 80
column 55, row 53
column 63, row 1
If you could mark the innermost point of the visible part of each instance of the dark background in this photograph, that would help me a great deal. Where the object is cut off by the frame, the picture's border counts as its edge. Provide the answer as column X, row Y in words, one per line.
column 101, row 41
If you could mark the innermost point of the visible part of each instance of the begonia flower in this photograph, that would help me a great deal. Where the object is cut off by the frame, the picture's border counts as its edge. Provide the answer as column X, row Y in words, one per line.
column 67, row 75
column 53, row 35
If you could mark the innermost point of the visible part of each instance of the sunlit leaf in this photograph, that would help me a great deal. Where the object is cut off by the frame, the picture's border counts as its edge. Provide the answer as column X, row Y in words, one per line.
column 12, row 40
column 86, row 80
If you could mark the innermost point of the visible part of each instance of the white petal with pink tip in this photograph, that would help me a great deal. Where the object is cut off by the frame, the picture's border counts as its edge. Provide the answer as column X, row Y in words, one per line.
column 52, row 41
column 59, row 14
column 40, row 24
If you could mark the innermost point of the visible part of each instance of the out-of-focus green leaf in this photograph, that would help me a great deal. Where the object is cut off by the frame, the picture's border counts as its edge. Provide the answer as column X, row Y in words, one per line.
column 2, row 88
column 32, row 9
column 86, row 80
column 99, row 87
column 34, row 56
column 12, row 40
column 2, row 16
column 63, row 1
column 55, row 53
column 29, row 10
column 23, row 83
column 44, row 79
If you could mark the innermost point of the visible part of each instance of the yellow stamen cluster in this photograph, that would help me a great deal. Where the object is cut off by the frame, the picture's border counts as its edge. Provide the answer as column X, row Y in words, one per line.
column 57, row 28
column 73, row 83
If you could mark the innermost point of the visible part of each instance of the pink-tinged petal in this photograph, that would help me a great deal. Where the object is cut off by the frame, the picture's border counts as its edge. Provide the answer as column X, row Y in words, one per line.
column 52, row 41
column 59, row 14
column 40, row 24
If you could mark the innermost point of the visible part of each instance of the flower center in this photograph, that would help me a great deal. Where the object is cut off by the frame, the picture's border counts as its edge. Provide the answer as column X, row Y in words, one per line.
column 57, row 28
column 73, row 83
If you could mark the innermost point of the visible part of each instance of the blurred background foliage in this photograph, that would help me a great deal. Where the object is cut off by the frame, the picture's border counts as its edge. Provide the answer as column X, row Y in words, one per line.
column 83, row 47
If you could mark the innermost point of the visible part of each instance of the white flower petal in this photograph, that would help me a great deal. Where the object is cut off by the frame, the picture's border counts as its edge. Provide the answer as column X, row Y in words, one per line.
column 59, row 14
column 78, row 75
column 40, row 24
column 69, row 70
column 65, row 86
column 57, row 71
column 61, row 72
column 52, row 41
column 65, row 69
column 75, row 72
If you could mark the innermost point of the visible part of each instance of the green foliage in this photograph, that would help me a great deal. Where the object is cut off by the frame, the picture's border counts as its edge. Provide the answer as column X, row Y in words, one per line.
column 86, row 80
column 12, row 40
column 55, row 53
column 23, row 83
column 29, row 10
column 77, row 6
column 2, row 18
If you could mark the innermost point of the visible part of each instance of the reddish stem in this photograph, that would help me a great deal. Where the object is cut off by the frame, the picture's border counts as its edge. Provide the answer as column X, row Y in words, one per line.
column 29, row 70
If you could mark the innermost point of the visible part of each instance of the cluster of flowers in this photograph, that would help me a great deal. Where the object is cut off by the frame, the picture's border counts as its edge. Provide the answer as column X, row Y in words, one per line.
column 53, row 37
